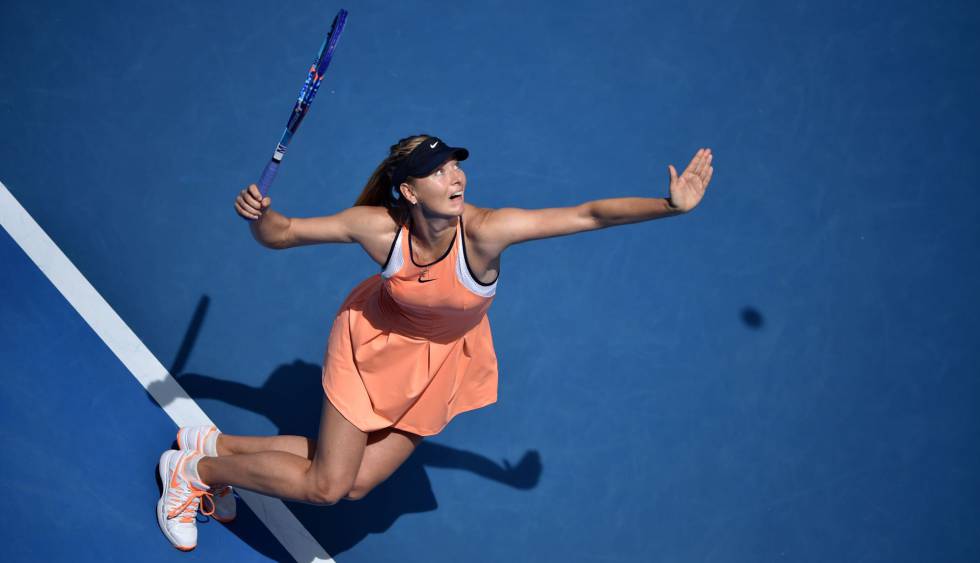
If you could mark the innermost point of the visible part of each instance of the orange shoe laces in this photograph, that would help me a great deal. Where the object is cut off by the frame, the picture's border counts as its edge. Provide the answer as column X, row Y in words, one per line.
column 221, row 492
column 188, row 509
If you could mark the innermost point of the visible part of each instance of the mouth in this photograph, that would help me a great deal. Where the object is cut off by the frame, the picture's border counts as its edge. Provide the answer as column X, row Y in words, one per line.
column 457, row 195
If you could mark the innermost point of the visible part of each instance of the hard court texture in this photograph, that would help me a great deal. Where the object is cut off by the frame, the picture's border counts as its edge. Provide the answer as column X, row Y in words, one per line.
column 788, row 373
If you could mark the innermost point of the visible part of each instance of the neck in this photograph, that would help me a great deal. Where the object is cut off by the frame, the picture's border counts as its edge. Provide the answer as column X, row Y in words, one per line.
column 432, row 231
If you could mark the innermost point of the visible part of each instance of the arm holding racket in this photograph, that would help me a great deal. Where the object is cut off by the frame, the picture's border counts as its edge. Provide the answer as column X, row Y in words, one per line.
column 268, row 226
column 362, row 224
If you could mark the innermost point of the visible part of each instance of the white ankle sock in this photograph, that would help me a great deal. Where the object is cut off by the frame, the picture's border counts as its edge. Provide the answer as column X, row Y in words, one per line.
column 191, row 474
column 211, row 444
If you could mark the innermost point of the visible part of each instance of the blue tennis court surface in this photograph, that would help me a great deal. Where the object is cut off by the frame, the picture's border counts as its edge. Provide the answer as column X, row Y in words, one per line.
column 788, row 373
column 79, row 469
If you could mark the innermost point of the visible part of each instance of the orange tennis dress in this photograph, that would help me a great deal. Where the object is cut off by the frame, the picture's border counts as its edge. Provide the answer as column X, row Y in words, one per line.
column 411, row 347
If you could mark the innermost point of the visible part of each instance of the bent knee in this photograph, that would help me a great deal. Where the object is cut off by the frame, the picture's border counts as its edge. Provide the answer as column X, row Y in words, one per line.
column 327, row 492
column 326, row 496
column 357, row 492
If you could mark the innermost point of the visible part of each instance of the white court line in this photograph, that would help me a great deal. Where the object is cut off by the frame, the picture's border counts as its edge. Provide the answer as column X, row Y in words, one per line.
column 144, row 366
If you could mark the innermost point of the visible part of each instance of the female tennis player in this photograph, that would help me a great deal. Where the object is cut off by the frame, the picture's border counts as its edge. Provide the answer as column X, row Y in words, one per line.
column 410, row 348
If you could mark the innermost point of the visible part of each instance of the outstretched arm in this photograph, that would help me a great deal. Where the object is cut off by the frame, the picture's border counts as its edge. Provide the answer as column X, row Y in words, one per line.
column 501, row 228
column 361, row 223
column 686, row 193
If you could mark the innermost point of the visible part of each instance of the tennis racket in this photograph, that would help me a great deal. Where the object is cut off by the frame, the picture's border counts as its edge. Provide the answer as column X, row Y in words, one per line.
column 305, row 99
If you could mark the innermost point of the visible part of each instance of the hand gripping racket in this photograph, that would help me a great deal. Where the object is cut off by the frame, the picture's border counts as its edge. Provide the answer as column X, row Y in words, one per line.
column 305, row 99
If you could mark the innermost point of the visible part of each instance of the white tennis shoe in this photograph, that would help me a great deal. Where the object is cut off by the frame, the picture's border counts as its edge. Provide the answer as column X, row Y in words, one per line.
column 181, row 498
column 204, row 439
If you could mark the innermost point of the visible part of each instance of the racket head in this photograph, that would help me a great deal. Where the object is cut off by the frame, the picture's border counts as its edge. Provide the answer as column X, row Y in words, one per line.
column 326, row 52
column 315, row 75
column 330, row 43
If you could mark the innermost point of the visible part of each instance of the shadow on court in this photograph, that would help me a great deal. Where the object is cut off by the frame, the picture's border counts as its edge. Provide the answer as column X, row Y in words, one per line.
column 291, row 399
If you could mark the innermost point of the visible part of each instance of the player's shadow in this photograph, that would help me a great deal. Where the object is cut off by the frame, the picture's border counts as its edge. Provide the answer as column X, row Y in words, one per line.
column 291, row 399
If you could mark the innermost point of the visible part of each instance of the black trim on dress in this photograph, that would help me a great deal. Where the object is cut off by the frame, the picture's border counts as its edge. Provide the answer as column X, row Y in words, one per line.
column 467, row 262
column 392, row 249
column 411, row 254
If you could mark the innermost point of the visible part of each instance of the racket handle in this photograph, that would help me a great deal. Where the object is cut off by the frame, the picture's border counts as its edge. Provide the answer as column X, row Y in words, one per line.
column 268, row 175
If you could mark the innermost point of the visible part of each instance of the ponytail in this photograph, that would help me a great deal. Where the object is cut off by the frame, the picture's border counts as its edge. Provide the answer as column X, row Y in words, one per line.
column 379, row 190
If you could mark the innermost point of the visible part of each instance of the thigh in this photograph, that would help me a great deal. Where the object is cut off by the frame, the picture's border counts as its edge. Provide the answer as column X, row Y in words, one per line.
column 387, row 450
column 339, row 447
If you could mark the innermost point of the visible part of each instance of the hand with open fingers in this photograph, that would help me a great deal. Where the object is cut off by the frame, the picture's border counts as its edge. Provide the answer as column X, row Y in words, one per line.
column 687, row 191
column 250, row 204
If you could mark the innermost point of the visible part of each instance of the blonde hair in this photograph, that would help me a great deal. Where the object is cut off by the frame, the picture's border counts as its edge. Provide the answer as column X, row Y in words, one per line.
column 378, row 190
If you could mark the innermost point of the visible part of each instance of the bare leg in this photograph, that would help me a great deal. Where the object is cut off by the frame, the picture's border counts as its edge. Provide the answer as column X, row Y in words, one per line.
column 296, row 445
column 386, row 450
column 302, row 446
column 323, row 480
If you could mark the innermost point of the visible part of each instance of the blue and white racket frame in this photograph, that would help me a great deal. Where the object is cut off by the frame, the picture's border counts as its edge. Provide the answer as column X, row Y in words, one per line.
column 306, row 95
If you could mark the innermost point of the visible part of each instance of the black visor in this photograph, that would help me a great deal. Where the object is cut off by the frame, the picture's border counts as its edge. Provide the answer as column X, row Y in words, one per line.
column 424, row 159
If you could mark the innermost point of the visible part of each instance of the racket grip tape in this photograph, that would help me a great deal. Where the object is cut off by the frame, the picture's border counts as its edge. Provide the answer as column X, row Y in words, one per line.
column 268, row 175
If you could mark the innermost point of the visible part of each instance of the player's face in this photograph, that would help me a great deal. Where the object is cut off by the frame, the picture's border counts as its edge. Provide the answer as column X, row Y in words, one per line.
column 435, row 191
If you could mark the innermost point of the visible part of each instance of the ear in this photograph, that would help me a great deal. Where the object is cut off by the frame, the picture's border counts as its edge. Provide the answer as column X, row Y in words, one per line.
column 408, row 193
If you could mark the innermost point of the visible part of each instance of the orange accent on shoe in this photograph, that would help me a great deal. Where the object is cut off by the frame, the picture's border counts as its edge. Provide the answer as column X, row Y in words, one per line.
column 198, row 444
column 222, row 492
column 210, row 494
column 173, row 476
column 187, row 509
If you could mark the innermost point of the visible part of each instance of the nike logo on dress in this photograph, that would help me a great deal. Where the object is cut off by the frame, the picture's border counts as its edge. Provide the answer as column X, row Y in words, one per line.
column 423, row 281
column 433, row 145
